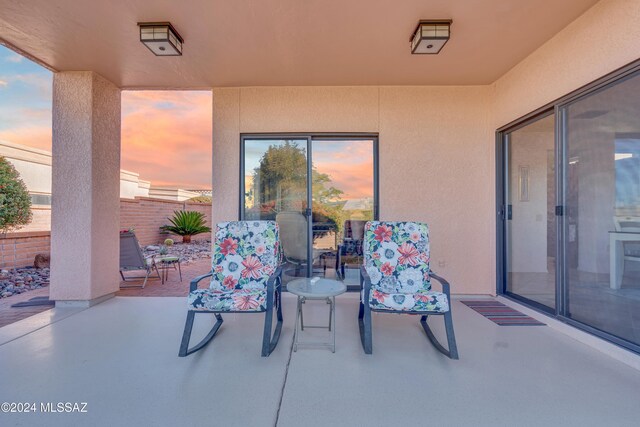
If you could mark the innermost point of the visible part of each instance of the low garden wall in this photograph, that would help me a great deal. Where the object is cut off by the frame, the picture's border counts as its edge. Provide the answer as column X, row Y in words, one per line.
column 19, row 249
column 144, row 215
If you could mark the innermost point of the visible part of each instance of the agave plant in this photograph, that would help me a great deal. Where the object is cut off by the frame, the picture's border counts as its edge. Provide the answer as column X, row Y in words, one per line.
column 187, row 224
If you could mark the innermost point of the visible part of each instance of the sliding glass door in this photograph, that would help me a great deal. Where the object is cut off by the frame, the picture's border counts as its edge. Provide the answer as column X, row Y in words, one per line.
column 275, row 185
column 602, row 197
column 321, row 190
column 343, row 200
column 568, row 230
column 530, row 233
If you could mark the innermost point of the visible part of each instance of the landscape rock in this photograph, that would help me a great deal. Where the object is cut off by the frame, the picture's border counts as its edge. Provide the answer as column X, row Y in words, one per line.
column 42, row 261
column 187, row 252
column 19, row 280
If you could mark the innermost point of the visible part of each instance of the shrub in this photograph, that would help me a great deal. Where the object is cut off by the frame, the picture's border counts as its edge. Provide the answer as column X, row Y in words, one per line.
column 205, row 200
column 168, row 242
column 15, row 201
column 187, row 224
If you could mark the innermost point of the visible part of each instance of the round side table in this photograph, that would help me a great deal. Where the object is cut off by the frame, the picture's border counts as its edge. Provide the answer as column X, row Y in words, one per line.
column 164, row 263
column 316, row 288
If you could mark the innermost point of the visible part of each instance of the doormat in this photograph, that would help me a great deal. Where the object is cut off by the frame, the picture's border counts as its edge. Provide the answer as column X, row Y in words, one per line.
column 35, row 302
column 502, row 314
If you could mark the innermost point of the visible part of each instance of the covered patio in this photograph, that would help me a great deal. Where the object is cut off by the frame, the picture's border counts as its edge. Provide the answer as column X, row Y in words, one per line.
column 285, row 70
column 121, row 358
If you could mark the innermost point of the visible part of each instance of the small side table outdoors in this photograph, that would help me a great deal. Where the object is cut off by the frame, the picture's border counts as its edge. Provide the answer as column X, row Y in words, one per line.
column 316, row 288
column 164, row 263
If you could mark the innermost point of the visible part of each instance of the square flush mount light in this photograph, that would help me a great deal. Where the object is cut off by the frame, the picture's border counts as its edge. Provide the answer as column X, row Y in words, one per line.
column 161, row 38
column 430, row 36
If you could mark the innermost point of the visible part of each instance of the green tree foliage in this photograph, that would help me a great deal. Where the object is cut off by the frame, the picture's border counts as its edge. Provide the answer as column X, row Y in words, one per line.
column 15, row 201
column 205, row 200
column 281, row 178
column 187, row 224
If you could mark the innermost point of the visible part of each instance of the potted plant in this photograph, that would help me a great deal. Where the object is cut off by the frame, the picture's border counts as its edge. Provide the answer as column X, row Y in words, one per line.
column 187, row 224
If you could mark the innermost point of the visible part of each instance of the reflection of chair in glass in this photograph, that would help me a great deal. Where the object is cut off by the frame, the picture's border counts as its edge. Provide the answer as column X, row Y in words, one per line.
column 132, row 259
column 245, row 278
column 293, row 235
column 350, row 250
column 396, row 279
column 629, row 224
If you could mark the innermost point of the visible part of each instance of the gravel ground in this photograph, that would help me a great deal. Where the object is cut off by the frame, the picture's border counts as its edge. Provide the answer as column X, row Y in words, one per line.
column 18, row 280
column 188, row 252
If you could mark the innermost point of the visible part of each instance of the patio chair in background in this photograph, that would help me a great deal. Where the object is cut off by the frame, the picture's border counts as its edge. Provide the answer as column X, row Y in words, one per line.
column 396, row 279
column 350, row 250
column 293, row 231
column 132, row 259
column 246, row 277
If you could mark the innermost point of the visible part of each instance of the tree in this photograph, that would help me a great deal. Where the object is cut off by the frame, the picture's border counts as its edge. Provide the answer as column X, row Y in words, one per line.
column 15, row 201
column 280, row 182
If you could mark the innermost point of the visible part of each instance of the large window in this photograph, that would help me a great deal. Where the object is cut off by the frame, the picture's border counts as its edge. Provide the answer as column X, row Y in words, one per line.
column 569, row 208
column 602, row 224
column 321, row 189
column 530, row 218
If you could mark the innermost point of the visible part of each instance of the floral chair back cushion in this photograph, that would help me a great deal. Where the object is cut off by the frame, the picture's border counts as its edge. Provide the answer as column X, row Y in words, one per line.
column 396, row 256
column 245, row 254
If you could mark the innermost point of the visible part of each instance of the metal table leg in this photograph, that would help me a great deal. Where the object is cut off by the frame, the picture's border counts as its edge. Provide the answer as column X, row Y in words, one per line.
column 296, row 332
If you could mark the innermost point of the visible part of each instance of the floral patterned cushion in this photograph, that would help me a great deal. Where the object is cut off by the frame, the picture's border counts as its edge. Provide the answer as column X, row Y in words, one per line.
column 240, row 300
column 420, row 301
column 396, row 256
column 245, row 254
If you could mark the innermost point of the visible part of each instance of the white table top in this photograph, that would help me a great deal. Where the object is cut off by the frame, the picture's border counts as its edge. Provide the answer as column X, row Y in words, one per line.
column 316, row 287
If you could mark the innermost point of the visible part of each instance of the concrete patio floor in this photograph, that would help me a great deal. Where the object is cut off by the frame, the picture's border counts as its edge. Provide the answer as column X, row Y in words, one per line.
column 121, row 358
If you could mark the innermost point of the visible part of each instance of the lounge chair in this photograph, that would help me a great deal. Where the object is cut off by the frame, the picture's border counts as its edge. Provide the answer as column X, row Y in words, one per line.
column 245, row 278
column 396, row 279
column 132, row 259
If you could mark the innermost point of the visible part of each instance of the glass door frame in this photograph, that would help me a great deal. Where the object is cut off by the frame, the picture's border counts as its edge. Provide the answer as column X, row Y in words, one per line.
column 502, row 209
column 309, row 138
column 558, row 109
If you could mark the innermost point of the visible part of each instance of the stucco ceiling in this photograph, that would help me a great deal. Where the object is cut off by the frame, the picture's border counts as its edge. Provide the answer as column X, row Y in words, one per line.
column 284, row 42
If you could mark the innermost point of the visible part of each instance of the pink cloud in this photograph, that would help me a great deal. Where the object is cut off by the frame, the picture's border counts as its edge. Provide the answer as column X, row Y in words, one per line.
column 32, row 136
column 166, row 137
column 356, row 179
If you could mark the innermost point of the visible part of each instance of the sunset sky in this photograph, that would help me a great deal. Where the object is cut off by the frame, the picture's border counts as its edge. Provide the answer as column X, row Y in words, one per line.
column 166, row 135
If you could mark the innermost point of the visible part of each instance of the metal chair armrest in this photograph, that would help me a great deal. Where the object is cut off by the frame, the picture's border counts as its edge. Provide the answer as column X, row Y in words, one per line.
column 365, row 282
column 446, row 288
column 273, row 281
column 194, row 283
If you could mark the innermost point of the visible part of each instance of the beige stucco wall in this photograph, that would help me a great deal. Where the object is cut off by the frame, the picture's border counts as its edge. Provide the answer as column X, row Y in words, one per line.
column 603, row 39
column 435, row 158
column 34, row 167
column 437, row 144
column 85, row 209
column 131, row 186
column 169, row 193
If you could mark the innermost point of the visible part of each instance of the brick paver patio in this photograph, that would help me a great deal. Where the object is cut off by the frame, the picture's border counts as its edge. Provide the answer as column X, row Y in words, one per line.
column 171, row 288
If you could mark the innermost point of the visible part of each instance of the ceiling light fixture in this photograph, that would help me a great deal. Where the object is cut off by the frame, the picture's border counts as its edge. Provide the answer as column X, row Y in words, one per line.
column 430, row 36
column 161, row 38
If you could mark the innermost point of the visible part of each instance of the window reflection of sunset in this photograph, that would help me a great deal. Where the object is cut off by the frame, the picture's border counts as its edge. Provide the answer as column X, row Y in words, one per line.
column 348, row 163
